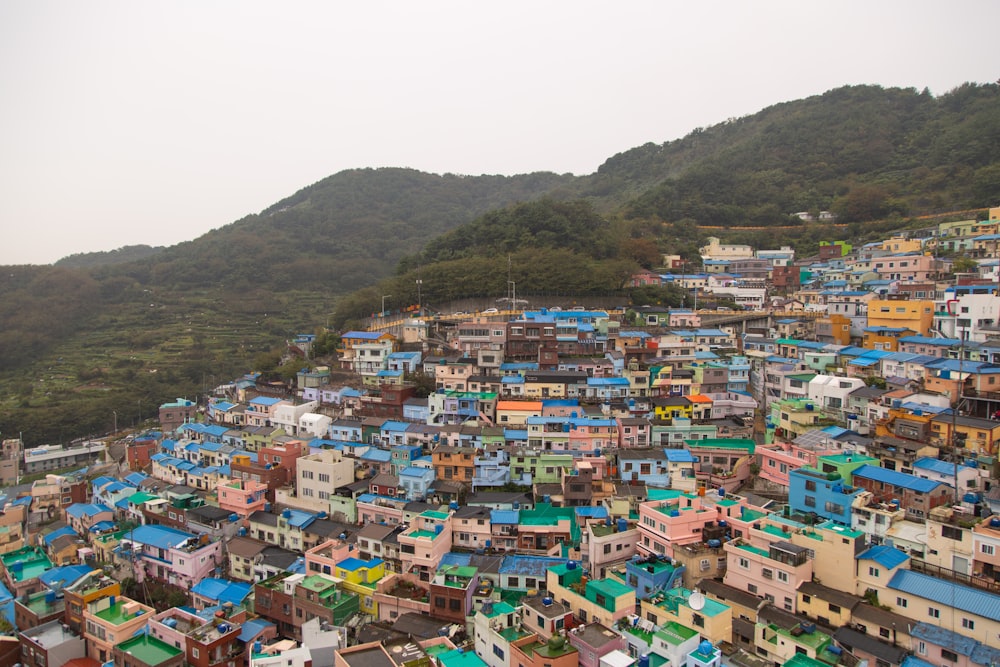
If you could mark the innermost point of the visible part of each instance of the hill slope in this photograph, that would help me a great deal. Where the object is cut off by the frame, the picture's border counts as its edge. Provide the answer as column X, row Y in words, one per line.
column 77, row 344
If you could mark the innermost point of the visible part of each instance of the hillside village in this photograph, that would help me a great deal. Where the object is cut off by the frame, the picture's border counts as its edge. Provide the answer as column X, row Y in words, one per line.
column 807, row 479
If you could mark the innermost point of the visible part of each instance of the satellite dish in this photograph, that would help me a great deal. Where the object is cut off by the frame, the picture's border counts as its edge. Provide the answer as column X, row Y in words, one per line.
column 696, row 601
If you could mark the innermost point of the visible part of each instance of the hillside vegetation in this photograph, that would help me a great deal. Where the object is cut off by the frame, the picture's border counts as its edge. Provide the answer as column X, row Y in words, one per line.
column 99, row 333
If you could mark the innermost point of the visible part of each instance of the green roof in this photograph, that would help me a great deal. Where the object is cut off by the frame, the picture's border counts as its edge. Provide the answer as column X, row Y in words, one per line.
column 26, row 563
column 421, row 533
column 460, row 658
column 500, row 608
column 843, row 530
column 754, row 550
column 801, row 660
column 149, row 649
column 114, row 615
column 663, row 494
column 317, row 583
column 610, row 587
column 722, row 443
column 674, row 633
column 140, row 497
column 815, row 640
column 434, row 514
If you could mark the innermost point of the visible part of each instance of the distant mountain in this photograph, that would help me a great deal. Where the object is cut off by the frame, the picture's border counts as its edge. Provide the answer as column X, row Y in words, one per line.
column 103, row 332
column 129, row 253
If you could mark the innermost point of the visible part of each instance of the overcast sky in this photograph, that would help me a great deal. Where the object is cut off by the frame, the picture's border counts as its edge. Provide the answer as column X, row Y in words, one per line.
column 154, row 122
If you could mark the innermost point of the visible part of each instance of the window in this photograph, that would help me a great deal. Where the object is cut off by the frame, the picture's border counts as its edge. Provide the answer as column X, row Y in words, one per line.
column 744, row 563
column 512, row 582
column 873, row 572
column 834, row 609
column 782, row 576
column 767, row 574
column 987, row 549
column 968, row 624
column 455, row 604
column 809, row 501
column 950, row 656
column 810, row 485
column 933, row 613
column 497, row 651
column 806, row 599
column 901, row 602
column 752, row 588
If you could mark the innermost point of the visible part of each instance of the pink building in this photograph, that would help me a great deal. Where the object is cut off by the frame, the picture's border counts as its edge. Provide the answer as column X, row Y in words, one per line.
column 471, row 528
column 380, row 509
column 422, row 546
column 170, row 555
column 323, row 558
column 593, row 641
column 777, row 460
column 397, row 594
column 242, row 497
column 773, row 573
column 606, row 547
column 674, row 521
column 986, row 549
column 171, row 626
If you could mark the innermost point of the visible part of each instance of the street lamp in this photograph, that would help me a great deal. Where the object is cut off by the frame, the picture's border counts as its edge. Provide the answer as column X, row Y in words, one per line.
column 384, row 297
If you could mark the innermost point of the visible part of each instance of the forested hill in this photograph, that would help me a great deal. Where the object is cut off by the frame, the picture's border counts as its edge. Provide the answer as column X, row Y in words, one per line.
column 78, row 339
column 339, row 234
column 865, row 152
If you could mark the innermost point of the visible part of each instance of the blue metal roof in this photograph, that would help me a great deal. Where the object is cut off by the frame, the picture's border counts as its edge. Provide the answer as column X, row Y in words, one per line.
column 253, row 628
column 58, row 578
column 927, row 340
column 222, row 590
column 679, row 455
column 55, row 534
column 378, row 455
column 452, row 558
column 509, row 517
column 529, row 565
column 935, row 465
column 896, row 478
column 102, row 526
column 947, row 593
column 592, row 511
column 161, row 537
column 80, row 510
column 886, row 556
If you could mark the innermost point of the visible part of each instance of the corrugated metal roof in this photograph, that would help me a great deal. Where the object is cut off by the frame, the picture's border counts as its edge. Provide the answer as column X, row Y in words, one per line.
column 947, row 593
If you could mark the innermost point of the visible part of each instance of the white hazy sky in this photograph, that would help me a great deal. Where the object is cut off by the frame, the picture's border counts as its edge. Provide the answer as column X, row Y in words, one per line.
column 126, row 122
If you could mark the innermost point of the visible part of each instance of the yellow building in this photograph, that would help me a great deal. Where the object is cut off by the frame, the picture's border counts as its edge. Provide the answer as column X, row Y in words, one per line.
column 360, row 577
column 713, row 619
column 895, row 313
column 833, row 545
column 899, row 245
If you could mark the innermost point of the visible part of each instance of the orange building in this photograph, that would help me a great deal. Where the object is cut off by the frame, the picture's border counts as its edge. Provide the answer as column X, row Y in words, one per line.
column 893, row 312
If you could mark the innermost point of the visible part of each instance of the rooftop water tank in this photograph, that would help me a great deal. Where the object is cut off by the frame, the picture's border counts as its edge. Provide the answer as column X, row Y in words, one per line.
column 286, row 513
column 714, row 544
column 622, row 525
column 675, row 512
column 571, row 565
column 234, row 517
column 705, row 647
column 453, row 505
column 644, row 660
column 547, row 601
column 438, row 528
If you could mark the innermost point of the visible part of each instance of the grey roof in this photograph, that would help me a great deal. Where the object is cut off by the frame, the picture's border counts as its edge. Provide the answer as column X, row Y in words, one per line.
column 469, row 511
column 328, row 528
column 494, row 497
column 208, row 513
column 653, row 453
column 771, row 614
column 852, row 639
column 597, row 635
column 265, row 518
column 245, row 547
column 374, row 531
column 554, row 610
column 880, row 617
column 418, row 625
column 486, row 564
column 370, row 657
column 827, row 594
column 278, row 557
column 727, row 593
